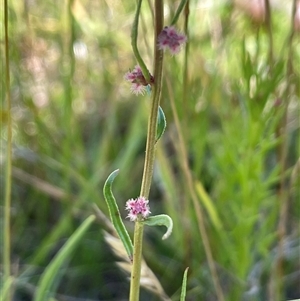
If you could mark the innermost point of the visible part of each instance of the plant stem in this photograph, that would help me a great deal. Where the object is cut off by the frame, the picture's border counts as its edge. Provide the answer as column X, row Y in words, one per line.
column 68, row 36
column 199, row 215
column 7, row 204
column 185, row 109
column 276, row 287
column 134, row 35
column 178, row 12
column 185, row 66
column 150, row 153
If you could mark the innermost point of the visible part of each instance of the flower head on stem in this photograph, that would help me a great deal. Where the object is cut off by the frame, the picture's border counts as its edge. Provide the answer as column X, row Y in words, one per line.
column 137, row 79
column 171, row 39
column 137, row 207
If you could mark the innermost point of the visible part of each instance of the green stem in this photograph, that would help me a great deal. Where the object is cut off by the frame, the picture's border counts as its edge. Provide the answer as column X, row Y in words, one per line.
column 178, row 12
column 151, row 135
column 7, row 204
column 137, row 262
column 150, row 154
column 134, row 35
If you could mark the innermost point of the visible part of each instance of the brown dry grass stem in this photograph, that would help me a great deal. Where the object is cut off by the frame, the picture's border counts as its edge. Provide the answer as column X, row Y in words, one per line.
column 276, row 288
column 189, row 179
column 268, row 21
column 8, row 173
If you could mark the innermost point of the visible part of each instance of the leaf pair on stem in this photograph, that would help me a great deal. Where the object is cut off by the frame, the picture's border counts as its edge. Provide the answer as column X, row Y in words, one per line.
column 158, row 220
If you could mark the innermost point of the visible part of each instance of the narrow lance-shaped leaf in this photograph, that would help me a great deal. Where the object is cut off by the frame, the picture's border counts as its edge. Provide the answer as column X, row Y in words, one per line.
column 178, row 12
column 183, row 289
column 5, row 288
column 161, row 124
column 50, row 275
column 115, row 214
column 134, row 36
column 160, row 220
column 209, row 205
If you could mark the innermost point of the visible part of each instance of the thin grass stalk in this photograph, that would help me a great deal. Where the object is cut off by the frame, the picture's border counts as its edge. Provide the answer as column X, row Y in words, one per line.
column 268, row 20
column 282, row 192
column 186, row 52
column 8, row 173
column 145, row 34
column 69, row 68
column 150, row 153
column 189, row 180
column 185, row 106
column 150, row 4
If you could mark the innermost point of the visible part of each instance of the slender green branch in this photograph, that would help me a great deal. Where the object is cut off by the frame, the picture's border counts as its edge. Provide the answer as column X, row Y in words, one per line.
column 7, row 204
column 134, row 35
column 150, row 153
column 178, row 12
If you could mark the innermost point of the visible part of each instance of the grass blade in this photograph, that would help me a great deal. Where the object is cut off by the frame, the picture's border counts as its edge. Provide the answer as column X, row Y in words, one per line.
column 115, row 214
column 48, row 277
column 183, row 289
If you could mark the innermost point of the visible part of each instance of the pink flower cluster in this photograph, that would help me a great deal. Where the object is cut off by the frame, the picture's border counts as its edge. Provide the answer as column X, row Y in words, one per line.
column 137, row 207
column 137, row 80
column 171, row 39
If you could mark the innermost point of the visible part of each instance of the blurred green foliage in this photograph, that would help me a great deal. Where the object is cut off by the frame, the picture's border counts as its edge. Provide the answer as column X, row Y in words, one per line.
column 75, row 121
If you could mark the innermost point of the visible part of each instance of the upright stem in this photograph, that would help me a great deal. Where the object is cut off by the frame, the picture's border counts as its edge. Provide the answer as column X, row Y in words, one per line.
column 134, row 36
column 7, row 204
column 152, row 122
column 198, row 210
column 69, row 69
column 269, row 30
column 150, row 153
column 276, row 287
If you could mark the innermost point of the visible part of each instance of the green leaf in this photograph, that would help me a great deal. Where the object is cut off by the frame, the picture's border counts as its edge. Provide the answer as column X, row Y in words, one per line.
column 6, row 288
column 134, row 37
column 183, row 289
column 115, row 214
column 49, row 276
column 209, row 205
column 178, row 12
column 161, row 124
column 160, row 220
column 247, row 67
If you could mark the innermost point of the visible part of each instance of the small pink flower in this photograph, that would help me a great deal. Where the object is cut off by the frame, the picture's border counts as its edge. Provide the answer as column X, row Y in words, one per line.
column 137, row 207
column 137, row 80
column 172, row 39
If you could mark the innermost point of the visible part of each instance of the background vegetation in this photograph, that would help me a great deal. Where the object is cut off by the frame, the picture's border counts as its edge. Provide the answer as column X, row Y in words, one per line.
column 234, row 147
